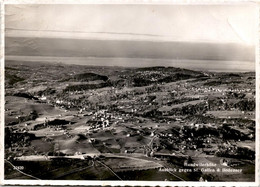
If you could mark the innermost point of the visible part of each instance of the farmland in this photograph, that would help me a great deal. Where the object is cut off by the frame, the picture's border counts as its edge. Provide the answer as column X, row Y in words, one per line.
column 121, row 123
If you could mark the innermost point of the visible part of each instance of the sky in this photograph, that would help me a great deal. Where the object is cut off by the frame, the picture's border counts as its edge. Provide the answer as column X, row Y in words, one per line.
column 195, row 36
column 197, row 23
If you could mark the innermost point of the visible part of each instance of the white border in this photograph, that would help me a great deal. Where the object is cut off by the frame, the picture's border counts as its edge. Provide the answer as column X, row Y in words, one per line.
column 257, row 110
column 158, row 2
column 2, row 94
column 124, row 183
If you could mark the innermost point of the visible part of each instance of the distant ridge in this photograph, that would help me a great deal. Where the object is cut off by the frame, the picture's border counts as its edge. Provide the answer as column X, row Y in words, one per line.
column 201, row 65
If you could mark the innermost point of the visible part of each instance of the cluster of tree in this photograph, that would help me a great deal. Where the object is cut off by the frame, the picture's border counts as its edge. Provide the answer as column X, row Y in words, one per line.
column 175, row 77
column 215, row 104
column 139, row 82
column 31, row 116
column 214, row 83
column 82, row 87
column 153, row 89
column 190, row 109
column 205, row 131
column 245, row 105
column 230, row 133
column 240, row 153
column 242, row 105
column 229, row 75
column 162, row 69
column 12, row 79
column 57, row 153
column 25, row 95
column 146, row 80
column 236, row 95
column 14, row 139
column 47, row 91
column 89, row 77
column 154, row 113
column 119, row 83
column 58, row 122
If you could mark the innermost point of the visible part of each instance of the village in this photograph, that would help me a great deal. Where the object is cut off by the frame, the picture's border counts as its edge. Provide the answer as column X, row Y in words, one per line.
column 182, row 115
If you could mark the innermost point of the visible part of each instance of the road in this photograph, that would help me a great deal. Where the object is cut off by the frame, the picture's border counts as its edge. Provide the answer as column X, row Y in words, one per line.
column 15, row 168
column 108, row 155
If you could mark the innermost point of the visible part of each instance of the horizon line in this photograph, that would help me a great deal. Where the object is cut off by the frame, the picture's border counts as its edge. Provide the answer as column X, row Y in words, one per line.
column 178, row 63
column 20, row 33
column 94, row 57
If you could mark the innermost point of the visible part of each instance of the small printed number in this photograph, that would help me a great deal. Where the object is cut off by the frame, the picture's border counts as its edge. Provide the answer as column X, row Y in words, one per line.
column 19, row 167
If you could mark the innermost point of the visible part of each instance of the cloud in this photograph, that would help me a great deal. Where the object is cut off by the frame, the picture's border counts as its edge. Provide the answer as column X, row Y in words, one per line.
column 207, row 23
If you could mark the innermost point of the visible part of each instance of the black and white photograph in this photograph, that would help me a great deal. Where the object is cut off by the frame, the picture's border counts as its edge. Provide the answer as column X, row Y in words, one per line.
column 130, row 92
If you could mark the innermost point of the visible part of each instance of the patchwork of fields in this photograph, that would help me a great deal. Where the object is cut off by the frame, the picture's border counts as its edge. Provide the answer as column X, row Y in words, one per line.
column 114, row 123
